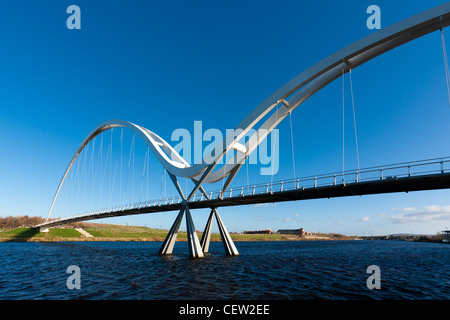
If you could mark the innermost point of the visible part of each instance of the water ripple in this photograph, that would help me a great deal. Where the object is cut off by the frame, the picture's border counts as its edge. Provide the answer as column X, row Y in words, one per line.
column 264, row 270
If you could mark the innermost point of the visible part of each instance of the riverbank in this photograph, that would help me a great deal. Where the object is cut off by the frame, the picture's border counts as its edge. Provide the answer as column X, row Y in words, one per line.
column 109, row 232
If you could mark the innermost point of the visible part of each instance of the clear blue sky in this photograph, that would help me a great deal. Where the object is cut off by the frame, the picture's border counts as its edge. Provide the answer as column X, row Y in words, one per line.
column 166, row 64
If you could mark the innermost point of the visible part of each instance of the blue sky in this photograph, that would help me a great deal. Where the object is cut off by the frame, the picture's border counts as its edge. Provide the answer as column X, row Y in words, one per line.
column 166, row 64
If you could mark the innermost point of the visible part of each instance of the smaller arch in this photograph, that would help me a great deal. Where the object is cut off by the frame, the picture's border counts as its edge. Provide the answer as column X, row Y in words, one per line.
column 165, row 154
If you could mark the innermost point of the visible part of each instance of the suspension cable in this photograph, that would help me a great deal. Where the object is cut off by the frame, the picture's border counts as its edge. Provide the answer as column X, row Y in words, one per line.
column 77, row 175
column 161, row 186
column 148, row 170
column 104, row 173
column 128, row 169
column 165, row 182
column 132, row 172
column 78, row 178
column 354, row 117
column 121, row 162
column 113, row 184
column 83, row 174
column 343, row 125
column 292, row 143
column 444, row 50
column 110, row 166
column 98, row 168
column 272, row 152
column 143, row 174
column 246, row 163
column 91, row 166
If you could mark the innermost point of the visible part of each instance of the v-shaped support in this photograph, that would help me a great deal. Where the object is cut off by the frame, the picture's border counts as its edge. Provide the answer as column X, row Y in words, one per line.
column 228, row 244
column 171, row 237
column 196, row 248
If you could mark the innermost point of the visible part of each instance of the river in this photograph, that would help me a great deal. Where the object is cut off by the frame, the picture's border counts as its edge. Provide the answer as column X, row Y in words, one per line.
column 294, row 270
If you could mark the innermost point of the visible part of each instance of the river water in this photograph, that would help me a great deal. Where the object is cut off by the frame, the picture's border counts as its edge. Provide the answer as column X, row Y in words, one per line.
column 263, row 271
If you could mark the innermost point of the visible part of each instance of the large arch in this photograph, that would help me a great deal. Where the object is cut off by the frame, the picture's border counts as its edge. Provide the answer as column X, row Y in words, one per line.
column 307, row 83
column 287, row 98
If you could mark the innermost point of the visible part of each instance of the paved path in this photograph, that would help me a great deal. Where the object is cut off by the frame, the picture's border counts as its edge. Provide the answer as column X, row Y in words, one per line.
column 84, row 233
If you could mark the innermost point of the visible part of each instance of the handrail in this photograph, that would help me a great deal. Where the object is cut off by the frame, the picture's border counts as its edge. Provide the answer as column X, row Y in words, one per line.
column 336, row 178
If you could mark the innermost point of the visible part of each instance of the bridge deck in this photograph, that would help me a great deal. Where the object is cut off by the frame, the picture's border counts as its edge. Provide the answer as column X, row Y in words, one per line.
column 383, row 185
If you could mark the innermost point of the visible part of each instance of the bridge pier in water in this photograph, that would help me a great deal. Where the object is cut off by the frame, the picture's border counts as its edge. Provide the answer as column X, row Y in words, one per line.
column 228, row 244
column 206, row 237
column 171, row 237
column 197, row 248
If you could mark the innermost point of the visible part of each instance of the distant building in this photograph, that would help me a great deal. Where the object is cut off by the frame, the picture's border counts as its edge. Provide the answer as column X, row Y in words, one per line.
column 446, row 236
column 266, row 231
column 298, row 232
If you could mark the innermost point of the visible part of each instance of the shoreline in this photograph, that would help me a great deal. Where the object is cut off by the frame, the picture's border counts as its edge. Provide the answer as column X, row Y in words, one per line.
column 114, row 233
column 184, row 240
column 109, row 239
column 132, row 233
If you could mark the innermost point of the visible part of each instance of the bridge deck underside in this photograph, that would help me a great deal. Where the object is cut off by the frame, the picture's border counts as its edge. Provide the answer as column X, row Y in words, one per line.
column 405, row 184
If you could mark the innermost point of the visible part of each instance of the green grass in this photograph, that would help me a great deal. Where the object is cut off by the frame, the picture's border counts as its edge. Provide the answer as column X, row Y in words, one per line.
column 20, row 233
column 132, row 232
column 118, row 232
column 107, row 232
column 25, row 234
column 64, row 233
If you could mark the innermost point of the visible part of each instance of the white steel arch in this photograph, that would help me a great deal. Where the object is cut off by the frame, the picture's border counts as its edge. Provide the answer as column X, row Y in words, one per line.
column 288, row 97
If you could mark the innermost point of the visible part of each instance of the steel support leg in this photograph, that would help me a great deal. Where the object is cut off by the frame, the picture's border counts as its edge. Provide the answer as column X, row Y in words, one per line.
column 195, row 249
column 230, row 248
column 171, row 237
column 207, row 233
column 228, row 244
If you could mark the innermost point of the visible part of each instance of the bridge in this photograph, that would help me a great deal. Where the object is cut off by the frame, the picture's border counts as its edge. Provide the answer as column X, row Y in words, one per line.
column 427, row 174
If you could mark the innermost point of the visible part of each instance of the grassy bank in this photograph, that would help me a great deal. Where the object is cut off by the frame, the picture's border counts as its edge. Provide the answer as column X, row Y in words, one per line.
column 110, row 232
column 99, row 233
column 30, row 234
